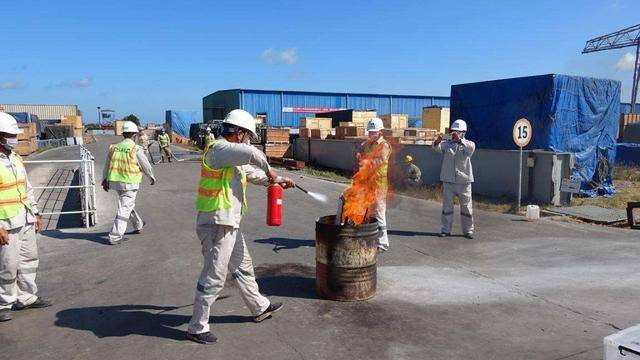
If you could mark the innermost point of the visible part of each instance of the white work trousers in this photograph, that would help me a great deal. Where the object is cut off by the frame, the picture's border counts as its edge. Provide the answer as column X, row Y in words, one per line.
column 224, row 250
column 379, row 212
column 18, row 266
column 463, row 192
column 126, row 212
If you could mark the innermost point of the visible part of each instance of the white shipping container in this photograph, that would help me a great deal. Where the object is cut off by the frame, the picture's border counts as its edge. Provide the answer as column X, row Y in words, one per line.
column 624, row 344
column 43, row 112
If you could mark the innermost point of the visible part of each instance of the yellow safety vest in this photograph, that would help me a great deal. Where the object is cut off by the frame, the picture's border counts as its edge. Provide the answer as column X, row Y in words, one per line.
column 384, row 169
column 124, row 166
column 214, row 190
column 164, row 140
column 13, row 190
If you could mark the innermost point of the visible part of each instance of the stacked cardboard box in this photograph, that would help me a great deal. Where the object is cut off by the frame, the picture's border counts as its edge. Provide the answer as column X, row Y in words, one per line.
column 27, row 140
column 395, row 121
column 436, row 118
column 315, row 123
column 343, row 132
column 358, row 118
column 391, row 133
column 320, row 133
column 75, row 121
column 427, row 134
column 276, row 142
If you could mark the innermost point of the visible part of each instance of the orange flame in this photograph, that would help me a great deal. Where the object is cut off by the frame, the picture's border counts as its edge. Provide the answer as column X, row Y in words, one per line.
column 365, row 187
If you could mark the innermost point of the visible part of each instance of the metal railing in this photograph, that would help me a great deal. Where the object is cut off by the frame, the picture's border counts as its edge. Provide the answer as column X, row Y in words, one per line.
column 87, row 186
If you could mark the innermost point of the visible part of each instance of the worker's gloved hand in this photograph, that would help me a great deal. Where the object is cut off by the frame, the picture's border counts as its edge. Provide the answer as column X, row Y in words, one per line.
column 272, row 176
column 455, row 136
column 438, row 140
column 153, row 181
column 105, row 185
column 4, row 237
column 286, row 182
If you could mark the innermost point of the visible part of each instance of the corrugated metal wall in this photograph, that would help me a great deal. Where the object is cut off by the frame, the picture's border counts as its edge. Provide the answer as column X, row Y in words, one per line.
column 273, row 102
column 44, row 112
column 218, row 104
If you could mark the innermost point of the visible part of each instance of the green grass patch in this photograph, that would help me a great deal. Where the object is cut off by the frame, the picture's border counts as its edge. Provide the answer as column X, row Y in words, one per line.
column 627, row 183
column 328, row 174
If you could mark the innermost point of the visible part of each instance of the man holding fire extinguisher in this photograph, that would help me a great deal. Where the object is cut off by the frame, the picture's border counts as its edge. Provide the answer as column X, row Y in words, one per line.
column 227, row 166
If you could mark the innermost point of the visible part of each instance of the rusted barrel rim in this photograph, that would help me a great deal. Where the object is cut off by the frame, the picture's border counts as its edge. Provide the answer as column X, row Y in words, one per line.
column 328, row 223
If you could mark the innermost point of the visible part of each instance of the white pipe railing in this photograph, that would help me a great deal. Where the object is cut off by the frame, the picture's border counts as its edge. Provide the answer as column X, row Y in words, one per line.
column 87, row 186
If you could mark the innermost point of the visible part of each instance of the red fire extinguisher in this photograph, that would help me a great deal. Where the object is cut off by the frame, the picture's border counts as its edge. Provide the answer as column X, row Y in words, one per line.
column 274, row 205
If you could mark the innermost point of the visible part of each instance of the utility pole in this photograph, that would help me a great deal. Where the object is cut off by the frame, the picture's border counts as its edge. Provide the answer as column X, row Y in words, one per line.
column 616, row 40
column 99, row 118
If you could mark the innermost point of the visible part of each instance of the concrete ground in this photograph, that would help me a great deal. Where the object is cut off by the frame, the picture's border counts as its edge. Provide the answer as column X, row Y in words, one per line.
column 520, row 290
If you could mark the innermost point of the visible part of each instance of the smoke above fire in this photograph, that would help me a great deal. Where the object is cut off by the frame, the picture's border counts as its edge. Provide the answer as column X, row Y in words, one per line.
column 367, row 185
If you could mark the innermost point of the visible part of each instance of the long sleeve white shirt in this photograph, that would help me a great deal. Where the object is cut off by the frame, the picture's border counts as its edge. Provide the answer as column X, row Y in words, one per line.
column 456, row 161
column 241, row 156
column 144, row 164
column 28, row 217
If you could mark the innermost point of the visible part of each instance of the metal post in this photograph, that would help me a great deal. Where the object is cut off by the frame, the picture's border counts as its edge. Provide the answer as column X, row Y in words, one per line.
column 99, row 118
column 520, row 180
column 636, row 75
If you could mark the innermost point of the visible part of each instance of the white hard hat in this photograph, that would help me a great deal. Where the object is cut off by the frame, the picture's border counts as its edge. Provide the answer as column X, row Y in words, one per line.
column 129, row 127
column 208, row 129
column 8, row 124
column 459, row 125
column 374, row 125
column 242, row 119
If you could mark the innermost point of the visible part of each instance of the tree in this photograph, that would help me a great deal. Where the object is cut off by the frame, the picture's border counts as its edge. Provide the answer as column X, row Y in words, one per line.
column 134, row 119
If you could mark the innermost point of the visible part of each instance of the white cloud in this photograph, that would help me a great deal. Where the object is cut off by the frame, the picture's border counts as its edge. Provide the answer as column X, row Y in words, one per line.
column 84, row 82
column 626, row 62
column 9, row 85
column 275, row 57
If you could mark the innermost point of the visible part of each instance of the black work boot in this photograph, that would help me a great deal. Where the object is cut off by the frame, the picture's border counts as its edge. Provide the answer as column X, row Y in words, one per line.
column 206, row 338
column 273, row 307
column 38, row 304
column 5, row 315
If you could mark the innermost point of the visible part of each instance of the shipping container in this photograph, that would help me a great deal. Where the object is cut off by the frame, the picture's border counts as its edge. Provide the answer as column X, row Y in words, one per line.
column 572, row 114
column 179, row 122
column 43, row 112
column 285, row 108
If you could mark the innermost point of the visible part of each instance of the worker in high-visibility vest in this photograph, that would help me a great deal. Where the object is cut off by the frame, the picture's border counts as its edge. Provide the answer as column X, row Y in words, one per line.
column 377, row 150
column 122, row 172
column 209, row 139
column 164, row 142
column 19, row 223
column 143, row 141
column 221, row 203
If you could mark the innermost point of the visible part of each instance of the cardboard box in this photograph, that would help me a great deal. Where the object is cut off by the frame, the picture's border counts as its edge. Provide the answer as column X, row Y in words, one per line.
column 349, row 131
column 273, row 135
column 320, row 133
column 73, row 120
column 117, row 127
column 26, row 147
column 28, row 131
column 395, row 121
column 278, row 150
column 305, row 133
column 436, row 118
column 315, row 123
column 390, row 133
column 421, row 133
column 346, row 123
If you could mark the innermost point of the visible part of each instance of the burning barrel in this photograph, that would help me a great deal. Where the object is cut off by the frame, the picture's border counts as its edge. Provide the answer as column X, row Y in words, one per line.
column 345, row 259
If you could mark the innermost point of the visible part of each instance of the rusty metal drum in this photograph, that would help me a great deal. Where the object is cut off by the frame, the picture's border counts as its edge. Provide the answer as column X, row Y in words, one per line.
column 346, row 258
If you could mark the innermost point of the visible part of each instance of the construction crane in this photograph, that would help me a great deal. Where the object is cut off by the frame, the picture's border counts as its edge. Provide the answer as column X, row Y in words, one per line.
column 617, row 40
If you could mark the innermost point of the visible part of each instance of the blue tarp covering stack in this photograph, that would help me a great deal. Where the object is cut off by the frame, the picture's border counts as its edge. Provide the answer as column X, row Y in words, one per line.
column 180, row 121
column 628, row 154
column 568, row 114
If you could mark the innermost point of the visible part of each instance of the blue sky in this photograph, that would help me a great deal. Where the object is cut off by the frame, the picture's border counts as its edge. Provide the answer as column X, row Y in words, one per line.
column 145, row 57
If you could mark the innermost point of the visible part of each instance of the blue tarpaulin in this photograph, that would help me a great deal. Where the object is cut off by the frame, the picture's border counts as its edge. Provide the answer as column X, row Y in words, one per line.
column 568, row 114
column 180, row 121
column 628, row 154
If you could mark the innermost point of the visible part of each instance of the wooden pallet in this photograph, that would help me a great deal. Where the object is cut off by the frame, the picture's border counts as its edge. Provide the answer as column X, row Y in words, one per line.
column 289, row 163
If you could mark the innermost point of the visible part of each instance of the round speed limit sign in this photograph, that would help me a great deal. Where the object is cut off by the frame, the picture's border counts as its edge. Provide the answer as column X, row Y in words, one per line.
column 522, row 132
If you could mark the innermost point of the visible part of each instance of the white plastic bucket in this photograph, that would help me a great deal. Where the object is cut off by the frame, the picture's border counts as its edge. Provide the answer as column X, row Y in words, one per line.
column 533, row 212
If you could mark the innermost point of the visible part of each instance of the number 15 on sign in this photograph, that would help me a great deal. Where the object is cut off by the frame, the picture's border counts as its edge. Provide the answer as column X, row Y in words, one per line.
column 522, row 133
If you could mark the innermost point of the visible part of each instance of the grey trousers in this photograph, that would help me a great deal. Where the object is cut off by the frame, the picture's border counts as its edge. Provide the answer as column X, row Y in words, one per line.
column 126, row 212
column 224, row 251
column 463, row 192
column 379, row 212
column 18, row 266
